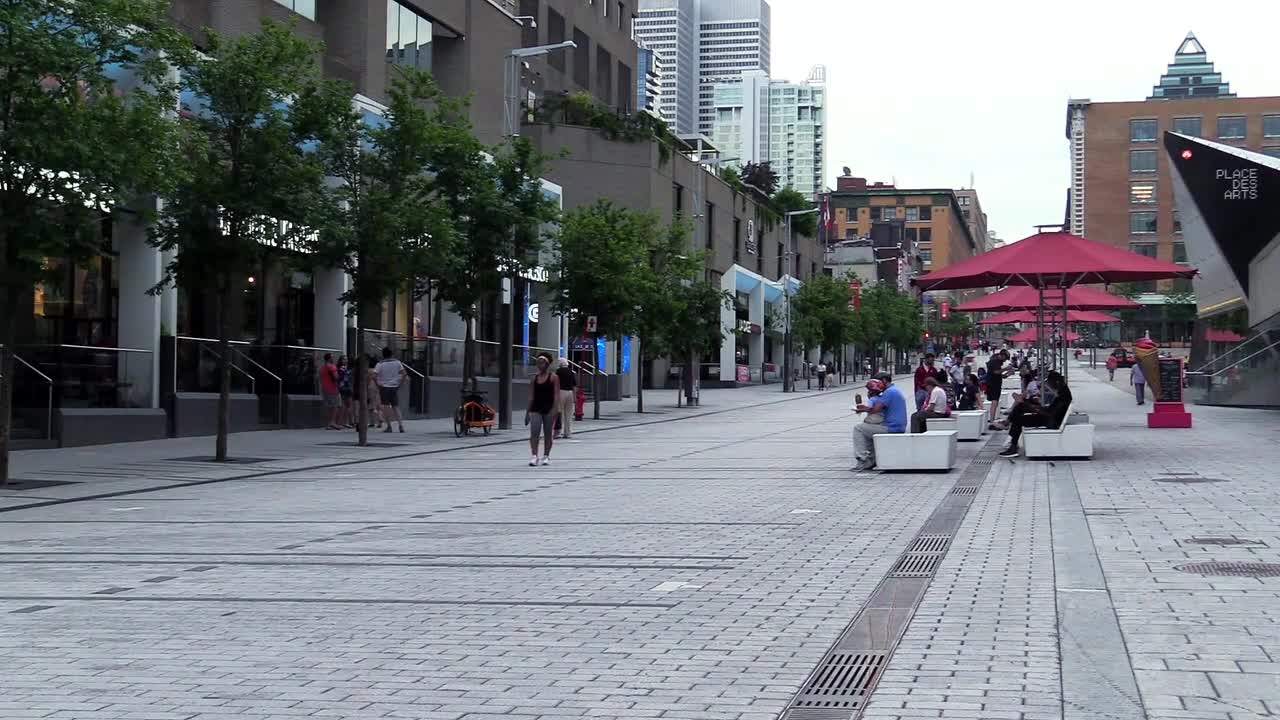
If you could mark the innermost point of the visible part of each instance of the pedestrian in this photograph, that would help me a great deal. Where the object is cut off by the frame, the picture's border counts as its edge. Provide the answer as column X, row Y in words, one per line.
column 540, row 416
column 389, row 375
column 1112, row 364
column 935, row 407
column 345, row 391
column 822, row 375
column 996, row 373
column 373, row 404
column 1138, row 379
column 970, row 397
column 329, row 391
column 568, row 383
column 926, row 370
column 959, row 371
column 886, row 409
column 1031, row 414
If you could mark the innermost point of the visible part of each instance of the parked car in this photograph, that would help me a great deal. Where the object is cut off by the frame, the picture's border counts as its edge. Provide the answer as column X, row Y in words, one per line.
column 1123, row 357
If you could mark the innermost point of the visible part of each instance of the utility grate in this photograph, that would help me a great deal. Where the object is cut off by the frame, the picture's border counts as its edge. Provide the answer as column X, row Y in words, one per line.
column 1232, row 569
column 818, row 714
column 965, row 490
column 916, row 565
column 1188, row 480
column 842, row 683
column 930, row 544
column 1223, row 541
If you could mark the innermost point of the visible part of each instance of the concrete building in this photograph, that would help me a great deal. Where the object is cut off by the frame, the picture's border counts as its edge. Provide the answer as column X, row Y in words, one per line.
column 1121, row 192
column 670, row 29
column 778, row 122
column 933, row 221
column 974, row 217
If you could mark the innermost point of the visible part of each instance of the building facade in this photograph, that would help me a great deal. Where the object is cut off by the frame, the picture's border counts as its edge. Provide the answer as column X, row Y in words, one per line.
column 974, row 217
column 649, row 72
column 778, row 122
column 932, row 219
column 670, row 29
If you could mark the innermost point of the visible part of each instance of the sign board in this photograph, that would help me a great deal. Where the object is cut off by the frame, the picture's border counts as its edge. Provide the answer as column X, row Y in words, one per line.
column 600, row 348
column 533, row 312
column 1170, row 380
column 1238, row 183
column 744, row 374
column 592, row 324
column 582, row 344
column 944, row 310
column 750, row 240
column 626, row 353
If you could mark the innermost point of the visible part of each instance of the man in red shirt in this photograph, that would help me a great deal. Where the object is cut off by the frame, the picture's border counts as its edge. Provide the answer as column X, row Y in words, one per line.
column 925, row 371
column 329, row 390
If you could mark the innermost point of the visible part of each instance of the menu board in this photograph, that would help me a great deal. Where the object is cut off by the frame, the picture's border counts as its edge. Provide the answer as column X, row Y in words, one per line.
column 1170, row 380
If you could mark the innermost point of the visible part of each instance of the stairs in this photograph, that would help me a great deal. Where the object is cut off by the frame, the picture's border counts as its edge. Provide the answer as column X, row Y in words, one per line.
column 24, row 437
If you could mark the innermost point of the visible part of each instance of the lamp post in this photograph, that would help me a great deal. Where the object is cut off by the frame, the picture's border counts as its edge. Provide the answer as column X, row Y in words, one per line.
column 787, row 384
column 510, row 129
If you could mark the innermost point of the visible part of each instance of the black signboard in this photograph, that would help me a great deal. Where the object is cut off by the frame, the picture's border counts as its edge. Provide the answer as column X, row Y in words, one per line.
column 1170, row 380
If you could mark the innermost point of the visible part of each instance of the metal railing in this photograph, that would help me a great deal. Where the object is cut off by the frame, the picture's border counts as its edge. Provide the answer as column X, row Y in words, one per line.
column 94, row 376
column 202, row 347
column 1222, row 360
column 48, row 428
column 1203, row 384
column 279, row 419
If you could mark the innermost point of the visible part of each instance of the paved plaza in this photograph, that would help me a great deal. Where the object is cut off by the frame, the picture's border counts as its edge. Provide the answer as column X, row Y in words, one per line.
column 692, row 564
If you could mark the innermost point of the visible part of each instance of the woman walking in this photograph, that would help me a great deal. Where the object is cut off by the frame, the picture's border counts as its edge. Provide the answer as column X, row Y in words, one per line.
column 544, row 391
column 1139, row 381
column 345, row 390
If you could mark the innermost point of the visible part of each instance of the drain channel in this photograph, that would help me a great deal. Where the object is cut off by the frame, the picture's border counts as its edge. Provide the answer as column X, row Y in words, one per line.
column 841, row 685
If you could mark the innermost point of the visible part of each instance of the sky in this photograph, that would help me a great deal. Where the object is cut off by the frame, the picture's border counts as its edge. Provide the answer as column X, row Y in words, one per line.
column 929, row 92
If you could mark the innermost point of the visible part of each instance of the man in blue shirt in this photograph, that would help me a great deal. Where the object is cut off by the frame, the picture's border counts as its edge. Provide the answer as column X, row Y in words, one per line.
column 885, row 403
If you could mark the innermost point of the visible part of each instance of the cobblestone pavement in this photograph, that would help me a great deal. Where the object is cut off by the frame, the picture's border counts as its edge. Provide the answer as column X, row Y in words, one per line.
column 693, row 569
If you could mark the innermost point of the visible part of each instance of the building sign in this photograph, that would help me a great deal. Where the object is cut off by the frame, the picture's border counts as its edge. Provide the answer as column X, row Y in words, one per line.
column 944, row 310
column 626, row 353
column 1238, row 184
column 751, row 237
column 600, row 348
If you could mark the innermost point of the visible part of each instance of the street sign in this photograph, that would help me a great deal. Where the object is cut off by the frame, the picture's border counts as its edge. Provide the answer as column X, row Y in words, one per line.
column 592, row 324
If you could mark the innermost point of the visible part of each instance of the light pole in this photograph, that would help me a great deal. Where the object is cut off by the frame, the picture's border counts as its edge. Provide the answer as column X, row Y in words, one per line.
column 787, row 385
column 510, row 129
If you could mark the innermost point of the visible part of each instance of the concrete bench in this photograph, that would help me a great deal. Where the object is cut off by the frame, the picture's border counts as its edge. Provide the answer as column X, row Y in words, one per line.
column 1072, row 440
column 932, row 450
column 968, row 424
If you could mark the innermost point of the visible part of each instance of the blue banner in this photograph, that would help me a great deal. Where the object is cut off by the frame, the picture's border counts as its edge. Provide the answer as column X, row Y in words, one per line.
column 527, row 289
column 600, row 353
column 626, row 353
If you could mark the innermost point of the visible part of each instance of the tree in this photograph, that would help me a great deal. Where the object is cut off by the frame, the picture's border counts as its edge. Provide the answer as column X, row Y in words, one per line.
column 957, row 325
column 251, row 184
column 383, row 223
column 886, row 316
column 790, row 200
column 602, row 269
column 760, row 176
column 821, row 314
column 85, row 127
column 499, row 214
column 694, row 329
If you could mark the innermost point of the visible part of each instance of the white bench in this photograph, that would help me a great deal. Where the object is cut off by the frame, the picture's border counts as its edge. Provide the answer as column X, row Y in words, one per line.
column 932, row 450
column 969, row 424
column 1072, row 440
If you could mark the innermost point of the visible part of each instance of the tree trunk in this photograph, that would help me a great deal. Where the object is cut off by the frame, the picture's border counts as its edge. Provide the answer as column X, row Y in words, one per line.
column 640, row 380
column 224, row 374
column 595, row 400
column 362, row 390
column 8, row 367
column 468, row 356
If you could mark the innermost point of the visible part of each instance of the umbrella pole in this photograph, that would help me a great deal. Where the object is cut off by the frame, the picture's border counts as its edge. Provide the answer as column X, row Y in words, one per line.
column 1039, row 367
column 1065, row 344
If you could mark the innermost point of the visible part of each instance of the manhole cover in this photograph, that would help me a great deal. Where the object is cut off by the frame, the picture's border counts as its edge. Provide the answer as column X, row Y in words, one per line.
column 1188, row 480
column 15, row 484
column 1232, row 569
column 1223, row 541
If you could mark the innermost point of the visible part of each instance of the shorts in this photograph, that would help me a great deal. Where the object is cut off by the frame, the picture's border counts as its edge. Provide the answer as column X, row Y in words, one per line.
column 993, row 391
column 389, row 395
column 331, row 400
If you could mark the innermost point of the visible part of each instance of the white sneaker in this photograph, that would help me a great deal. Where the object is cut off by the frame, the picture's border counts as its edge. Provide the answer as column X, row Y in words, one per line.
column 546, row 460
column 533, row 461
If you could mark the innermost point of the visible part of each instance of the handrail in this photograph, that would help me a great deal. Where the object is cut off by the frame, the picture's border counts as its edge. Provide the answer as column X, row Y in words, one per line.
column 88, row 347
column 279, row 385
column 1232, row 351
column 594, row 369
column 1250, row 356
column 303, row 347
column 209, row 340
column 31, row 367
column 48, row 418
column 253, row 382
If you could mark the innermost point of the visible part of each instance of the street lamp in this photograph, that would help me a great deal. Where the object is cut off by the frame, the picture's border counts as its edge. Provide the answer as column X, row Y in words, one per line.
column 511, row 128
column 787, row 385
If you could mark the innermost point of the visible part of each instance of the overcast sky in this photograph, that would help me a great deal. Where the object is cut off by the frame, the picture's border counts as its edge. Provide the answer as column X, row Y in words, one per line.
column 951, row 88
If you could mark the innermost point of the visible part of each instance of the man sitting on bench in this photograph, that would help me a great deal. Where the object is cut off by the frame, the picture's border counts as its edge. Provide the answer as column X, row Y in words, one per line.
column 1028, row 413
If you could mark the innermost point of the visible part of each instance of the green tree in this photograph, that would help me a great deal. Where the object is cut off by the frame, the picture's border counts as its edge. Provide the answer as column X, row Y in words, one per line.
column 603, row 269
column 670, row 264
column 384, row 223
column 886, row 316
column 821, row 314
column 790, row 200
column 694, row 330
column 957, row 325
column 77, row 139
column 760, row 176
column 499, row 214
column 251, row 184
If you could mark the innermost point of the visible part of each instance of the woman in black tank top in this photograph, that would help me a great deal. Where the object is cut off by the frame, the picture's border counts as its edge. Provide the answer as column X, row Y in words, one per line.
column 544, row 388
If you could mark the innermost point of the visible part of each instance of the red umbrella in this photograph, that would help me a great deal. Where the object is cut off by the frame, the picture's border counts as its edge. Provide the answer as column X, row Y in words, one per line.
column 1055, row 259
column 1029, row 335
column 1080, row 297
column 1029, row 316
column 1224, row 336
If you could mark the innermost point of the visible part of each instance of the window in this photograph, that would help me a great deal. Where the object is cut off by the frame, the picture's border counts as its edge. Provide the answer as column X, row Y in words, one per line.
column 965, row 212
column 913, row 214
column 1180, row 253
column 1143, row 130
column 677, row 199
column 626, row 92
column 1146, row 249
column 581, row 59
column 1177, row 222
column 1142, row 161
column 888, row 213
column 926, row 212
column 555, row 34
column 305, row 8
column 604, row 73
column 964, row 200
column 926, row 235
column 1231, row 128
column 408, row 37
column 851, row 233
column 912, row 235
column 622, row 16
column 1142, row 223
column 710, row 224
column 926, row 255
column 1187, row 126
column 1273, row 151
column 1142, row 193
column 737, row 239
column 780, row 259
column 1271, row 126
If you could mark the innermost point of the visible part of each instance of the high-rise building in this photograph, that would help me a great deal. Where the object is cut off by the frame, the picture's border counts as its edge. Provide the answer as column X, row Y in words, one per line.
column 669, row 29
column 1121, row 192
column 733, row 39
column 649, row 72
column 702, row 43
column 775, row 121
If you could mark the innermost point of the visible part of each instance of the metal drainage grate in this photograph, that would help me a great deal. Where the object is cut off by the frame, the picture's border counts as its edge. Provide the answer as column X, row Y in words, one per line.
column 1232, row 569
column 919, row 566
column 1223, row 541
column 841, row 684
column 930, row 544
column 965, row 490
column 1188, row 480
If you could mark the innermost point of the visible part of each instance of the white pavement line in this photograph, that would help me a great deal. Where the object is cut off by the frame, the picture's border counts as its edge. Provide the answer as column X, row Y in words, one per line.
column 1096, row 671
column 803, row 511
column 127, row 509
column 673, row 585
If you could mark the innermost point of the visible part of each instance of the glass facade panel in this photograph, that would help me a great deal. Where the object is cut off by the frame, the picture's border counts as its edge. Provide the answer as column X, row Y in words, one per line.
column 1231, row 128
column 1142, row 161
column 1271, row 126
column 1187, row 126
column 1143, row 130
column 1142, row 223
column 1146, row 249
column 408, row 37
column 1142, row 193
